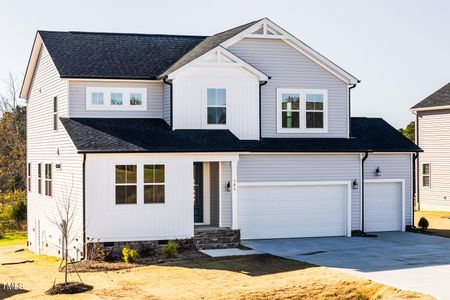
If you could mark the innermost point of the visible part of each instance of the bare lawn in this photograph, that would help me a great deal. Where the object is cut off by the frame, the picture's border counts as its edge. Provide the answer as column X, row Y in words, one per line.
column 439, row 222
column 243, row 277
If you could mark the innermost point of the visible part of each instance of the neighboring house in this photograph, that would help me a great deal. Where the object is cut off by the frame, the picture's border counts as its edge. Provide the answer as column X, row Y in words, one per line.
column 165, row 136
column 433, row 136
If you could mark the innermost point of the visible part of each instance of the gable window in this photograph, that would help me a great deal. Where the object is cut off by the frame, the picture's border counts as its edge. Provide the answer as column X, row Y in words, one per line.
column 302, row 111
column 426, row 175
column 116, row 99
column 126, row 184
column 29, row 176
column 48, row 180
column 154, row 179
column 40, row 178
column 55, row 113
column 217, row 106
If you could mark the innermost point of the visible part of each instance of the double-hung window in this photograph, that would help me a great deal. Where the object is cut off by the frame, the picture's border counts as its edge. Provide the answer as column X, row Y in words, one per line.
column 217, row 106
column 302, row 110
column 29, row 176
column 154, row 179
column 48, row 180
column 126, row 184
column 426, row 175
column 55, row 113
column 40, row 178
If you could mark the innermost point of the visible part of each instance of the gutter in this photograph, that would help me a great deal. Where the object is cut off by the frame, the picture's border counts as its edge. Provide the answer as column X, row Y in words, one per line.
column 171, row 100
column 84, row 208
column 414, row 183
column 260, row 85
column 416, row 129
column 349, row 110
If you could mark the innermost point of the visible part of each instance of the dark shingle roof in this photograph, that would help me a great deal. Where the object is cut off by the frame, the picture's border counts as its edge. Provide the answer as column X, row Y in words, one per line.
column 115, row 55
column 154, row 135
column 127, row 56
column 439, row 98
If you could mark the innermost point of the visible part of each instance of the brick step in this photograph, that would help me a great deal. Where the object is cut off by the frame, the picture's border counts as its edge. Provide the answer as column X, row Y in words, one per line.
column 216, row 238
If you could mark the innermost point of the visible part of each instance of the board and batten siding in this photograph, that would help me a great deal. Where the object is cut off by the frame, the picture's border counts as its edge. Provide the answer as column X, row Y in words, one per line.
column 242, row 99
column 392, row 166
column 289, row 68
column 77, row 102
column 434, row 139
column 303, row 167
column 45, row 145
column 109, row 222
column 226, row 212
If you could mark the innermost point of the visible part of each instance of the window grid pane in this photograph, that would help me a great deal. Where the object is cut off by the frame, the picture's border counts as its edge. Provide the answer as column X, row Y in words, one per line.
column 126, row 188
column 116, row 98
column 97, row 98
column 216, row 106
column 154, row 184
column 135, row 99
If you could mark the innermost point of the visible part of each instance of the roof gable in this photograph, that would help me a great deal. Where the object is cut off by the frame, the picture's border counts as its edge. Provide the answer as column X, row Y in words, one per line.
column 438, row 100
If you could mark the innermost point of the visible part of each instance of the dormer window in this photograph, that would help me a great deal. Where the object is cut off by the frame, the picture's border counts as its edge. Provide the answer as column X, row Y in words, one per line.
column 111, row 99
column 302, row 111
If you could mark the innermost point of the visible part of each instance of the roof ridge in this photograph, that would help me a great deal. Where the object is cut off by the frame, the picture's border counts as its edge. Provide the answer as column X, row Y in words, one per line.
column 124, row 33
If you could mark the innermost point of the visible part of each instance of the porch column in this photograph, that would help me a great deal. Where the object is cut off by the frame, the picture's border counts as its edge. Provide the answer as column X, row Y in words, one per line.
column 234, row 202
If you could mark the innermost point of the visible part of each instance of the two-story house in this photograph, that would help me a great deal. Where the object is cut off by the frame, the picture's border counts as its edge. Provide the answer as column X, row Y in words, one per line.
column 158, row 137
column 433, row 136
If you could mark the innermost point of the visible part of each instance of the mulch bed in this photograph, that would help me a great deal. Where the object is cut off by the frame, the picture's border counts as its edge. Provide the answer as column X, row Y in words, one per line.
column 104, row 266
column 69, row 288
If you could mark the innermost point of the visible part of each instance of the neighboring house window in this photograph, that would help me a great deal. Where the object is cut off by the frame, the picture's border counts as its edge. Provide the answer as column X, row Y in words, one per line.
column 55, row 113
column 126, row 184
column 123, row 99
column 302, row 110
column 40, row 178
column 426, row 175
column 154, row 183
column 29, row 177
column 48, row 180
column 217, row 106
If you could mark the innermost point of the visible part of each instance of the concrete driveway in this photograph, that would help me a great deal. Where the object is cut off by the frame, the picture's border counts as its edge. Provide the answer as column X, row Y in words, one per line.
column 401, row 259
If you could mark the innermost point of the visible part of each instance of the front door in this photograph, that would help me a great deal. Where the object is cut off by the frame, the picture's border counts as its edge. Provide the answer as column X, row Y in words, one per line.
column 198, row 192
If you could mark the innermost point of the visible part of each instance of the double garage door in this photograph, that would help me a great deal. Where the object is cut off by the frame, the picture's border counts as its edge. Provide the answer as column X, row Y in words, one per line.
column 301, row 210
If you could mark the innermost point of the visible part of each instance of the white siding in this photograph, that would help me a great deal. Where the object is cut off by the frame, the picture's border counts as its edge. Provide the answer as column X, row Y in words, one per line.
column 303, row 167
column 190, row 95
column 392, row 166
column 43, row 146
column 225, row 195
column 434, row 139
column 77, row 103
column 166, row 103
column 289, row 68
column 134, row 222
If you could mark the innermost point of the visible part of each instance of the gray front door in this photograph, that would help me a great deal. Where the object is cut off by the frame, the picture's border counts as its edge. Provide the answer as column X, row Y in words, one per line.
column 198, row 192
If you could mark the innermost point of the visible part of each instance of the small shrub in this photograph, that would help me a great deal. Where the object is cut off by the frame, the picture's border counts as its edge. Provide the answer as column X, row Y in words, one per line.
column 147, row 250
column 129, row 254
column 185, row 244
column 171, row 250
column 423, row 223
column 97, row 252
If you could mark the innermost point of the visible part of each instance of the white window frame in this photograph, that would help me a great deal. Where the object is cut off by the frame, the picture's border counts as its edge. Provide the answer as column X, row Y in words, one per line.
column 302, row 93
column 216, row 126
column 29, row 176
column 48, row 191
column 126, row 184
column 426, row 175
column 125, row 106
column 144, row 184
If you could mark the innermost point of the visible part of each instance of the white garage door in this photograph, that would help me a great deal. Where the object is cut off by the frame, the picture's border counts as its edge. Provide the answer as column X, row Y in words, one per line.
column 292, row 211
column 383, row 206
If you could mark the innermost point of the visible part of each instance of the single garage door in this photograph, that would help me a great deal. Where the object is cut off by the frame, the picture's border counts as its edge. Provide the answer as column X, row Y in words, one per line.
column 383, row 206
column 272, row 211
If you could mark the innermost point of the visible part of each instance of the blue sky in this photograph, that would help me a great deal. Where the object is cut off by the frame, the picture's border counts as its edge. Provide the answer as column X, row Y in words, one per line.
column 400, row 50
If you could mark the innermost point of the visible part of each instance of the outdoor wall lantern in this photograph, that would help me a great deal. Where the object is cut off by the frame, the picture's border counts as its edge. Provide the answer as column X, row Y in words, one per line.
column 378, row 172
column 228, row 186
column 355, row 184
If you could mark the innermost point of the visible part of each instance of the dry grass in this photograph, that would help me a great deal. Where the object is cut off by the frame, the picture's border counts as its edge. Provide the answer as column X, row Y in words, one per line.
column 245, row 277
column 439, row 222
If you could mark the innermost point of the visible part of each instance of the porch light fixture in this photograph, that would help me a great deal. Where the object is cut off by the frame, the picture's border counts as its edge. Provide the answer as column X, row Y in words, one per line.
column 228, row 186
column 378, row 171
column 355, row 184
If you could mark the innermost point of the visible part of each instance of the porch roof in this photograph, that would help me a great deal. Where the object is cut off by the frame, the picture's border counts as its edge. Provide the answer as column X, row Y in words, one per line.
column 110, row 135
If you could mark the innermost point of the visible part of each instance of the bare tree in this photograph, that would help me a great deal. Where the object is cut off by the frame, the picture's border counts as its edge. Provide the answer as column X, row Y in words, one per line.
column 9, row 99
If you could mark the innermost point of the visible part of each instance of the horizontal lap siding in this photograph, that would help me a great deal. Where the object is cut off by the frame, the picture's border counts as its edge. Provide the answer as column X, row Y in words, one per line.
column 392, row 166
column 268, row 168
column 434, row 139
column 43, row 145
column 166, row 103
column 77, row 96
column 290, row 69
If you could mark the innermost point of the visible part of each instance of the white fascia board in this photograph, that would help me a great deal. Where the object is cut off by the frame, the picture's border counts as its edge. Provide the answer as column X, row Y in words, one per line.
column 442, row 107
column 31, row 66
column 299, row 46
column 260, row 75
column 112, row 80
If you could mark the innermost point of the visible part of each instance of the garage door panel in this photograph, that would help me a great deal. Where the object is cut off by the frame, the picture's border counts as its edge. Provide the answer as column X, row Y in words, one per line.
column 292, row 211
column 383, row 206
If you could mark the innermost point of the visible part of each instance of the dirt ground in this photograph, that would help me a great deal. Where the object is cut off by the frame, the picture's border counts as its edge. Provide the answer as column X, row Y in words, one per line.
column 243, row 277
column 439, row 222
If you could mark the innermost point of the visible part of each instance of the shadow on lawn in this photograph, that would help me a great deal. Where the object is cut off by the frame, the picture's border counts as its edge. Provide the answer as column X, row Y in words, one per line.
column 252, row 265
